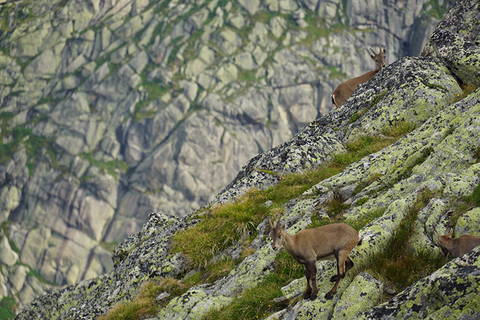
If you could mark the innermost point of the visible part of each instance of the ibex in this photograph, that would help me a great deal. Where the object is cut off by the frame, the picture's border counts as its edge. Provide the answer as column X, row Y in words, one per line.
column 310, row 245
column 345, row 89
column 459, row 246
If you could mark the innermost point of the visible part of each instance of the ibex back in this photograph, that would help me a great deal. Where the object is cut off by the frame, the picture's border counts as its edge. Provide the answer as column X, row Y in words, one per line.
column 345, row 89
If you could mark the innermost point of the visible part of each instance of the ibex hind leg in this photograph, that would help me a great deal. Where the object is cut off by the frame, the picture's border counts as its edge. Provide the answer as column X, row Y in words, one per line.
column 342, row 257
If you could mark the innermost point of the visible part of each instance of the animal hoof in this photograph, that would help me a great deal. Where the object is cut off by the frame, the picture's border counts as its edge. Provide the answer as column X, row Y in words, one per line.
column 329, row 296
column 313, row 297
column 334, row 278
column 306, row 295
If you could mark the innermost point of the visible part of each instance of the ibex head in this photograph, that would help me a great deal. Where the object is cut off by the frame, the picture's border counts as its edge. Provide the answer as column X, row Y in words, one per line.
column 346, row 89
column 379, row 58
column 275, row 230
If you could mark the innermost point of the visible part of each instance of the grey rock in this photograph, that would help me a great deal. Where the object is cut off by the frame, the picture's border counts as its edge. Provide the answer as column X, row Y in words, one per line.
column 455, row 40
column 7, row 255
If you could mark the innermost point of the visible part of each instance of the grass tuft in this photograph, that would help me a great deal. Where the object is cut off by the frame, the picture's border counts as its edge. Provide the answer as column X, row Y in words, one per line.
column 144, row 304
column 399, row 129
column 399, row 264
column 467, row 89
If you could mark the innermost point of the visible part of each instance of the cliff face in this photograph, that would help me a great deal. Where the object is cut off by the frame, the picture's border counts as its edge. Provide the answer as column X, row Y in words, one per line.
column 113, row 109
column 400, row 162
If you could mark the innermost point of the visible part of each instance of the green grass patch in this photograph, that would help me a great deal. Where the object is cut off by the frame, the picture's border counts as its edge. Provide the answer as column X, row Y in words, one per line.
column 474, row 197
column 335, row 207
column 36, row 274
column 144, row 304
column 248, row 76
column 269, row 172
column 399, row 264
column 220, row 228
column 112, row 167
column 357, row 115
column 34, row 145
column 109, row 246
column 467, row 89
column 399, row 129
column 7, row 308
column 361, row 147
column 361, row 201
column 256, row 303
column 319, row 221
column 359, row 222
column 154, row 89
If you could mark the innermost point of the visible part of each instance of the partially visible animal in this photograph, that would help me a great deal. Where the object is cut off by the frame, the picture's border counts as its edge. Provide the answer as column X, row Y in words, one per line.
column 345, row 90
column 310, row 245
column 459, row 246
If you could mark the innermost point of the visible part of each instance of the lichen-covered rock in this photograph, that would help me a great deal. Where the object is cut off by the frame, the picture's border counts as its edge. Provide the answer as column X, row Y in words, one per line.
column 140, row 257
column 455, row 40
column 468, row 223
column 451, row 291
column 363, row 293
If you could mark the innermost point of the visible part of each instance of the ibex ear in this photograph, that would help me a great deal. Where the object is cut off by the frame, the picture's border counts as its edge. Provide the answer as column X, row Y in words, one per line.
column 383, row 50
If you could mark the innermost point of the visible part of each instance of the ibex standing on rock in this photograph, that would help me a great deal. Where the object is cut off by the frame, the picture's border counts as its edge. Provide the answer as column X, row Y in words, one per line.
column 345, row 89
column 310, row 245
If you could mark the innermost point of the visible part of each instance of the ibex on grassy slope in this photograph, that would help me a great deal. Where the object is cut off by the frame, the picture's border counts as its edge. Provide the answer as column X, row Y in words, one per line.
column 459, row 246
column 310, row 245
column 345, row 89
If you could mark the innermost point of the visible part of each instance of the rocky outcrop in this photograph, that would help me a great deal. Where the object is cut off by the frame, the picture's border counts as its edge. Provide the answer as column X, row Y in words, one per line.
column 109, row 109
column 401, row 196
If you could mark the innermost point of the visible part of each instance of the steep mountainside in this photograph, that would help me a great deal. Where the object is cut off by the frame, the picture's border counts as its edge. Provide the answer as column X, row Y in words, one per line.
column 400, row 162
column 113, row 109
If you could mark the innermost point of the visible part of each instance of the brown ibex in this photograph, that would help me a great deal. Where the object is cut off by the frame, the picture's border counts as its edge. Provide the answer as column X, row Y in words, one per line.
column 459, row 246
column 345, row 89
column 310, row 245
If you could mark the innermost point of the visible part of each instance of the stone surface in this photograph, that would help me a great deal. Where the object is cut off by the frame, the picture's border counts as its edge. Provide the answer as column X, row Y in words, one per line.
column 363, row 293
column 455, row 41
column 468, row 223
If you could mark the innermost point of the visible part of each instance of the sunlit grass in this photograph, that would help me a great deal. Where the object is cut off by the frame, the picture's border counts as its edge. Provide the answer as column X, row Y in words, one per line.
column 144, row 304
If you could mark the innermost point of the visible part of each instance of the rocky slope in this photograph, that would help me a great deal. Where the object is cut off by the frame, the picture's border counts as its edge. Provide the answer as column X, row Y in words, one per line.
column 400, row 162
column 109, row 109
